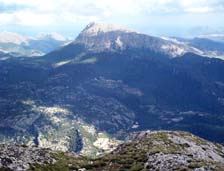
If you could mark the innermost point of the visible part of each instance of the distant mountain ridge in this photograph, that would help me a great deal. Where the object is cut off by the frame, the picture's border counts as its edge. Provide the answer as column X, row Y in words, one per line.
column 215, row 37
column 20, row 45
column 206, row 46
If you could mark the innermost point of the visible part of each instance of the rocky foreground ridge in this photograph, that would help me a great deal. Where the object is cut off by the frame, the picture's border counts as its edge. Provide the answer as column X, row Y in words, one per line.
column 150, row 150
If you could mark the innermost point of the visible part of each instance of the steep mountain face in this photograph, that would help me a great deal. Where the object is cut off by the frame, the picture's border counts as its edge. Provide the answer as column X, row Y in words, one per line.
column 98, row 37
column 87, row 98
column 147, row 151
column 19, row 45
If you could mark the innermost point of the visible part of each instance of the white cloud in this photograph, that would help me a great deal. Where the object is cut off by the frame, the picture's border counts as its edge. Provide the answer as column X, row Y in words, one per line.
column 30, row 18
column 48, row 12
column 6, row 19
column 26, row 18
column 199, row 10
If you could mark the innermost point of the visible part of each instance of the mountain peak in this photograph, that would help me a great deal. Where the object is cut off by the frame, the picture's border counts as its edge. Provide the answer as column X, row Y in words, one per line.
column 99, row 37
column 93, row 28
column 11, row 37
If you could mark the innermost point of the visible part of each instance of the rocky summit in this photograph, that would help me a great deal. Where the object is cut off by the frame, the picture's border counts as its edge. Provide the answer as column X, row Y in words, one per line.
column 99, row 37
column 13, row 157
column 144, row 151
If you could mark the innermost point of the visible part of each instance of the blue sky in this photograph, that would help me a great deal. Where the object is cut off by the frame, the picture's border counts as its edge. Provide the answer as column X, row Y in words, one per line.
column 156, row 17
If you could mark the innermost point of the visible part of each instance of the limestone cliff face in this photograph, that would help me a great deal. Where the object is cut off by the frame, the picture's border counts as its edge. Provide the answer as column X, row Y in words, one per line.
column 98, row 37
